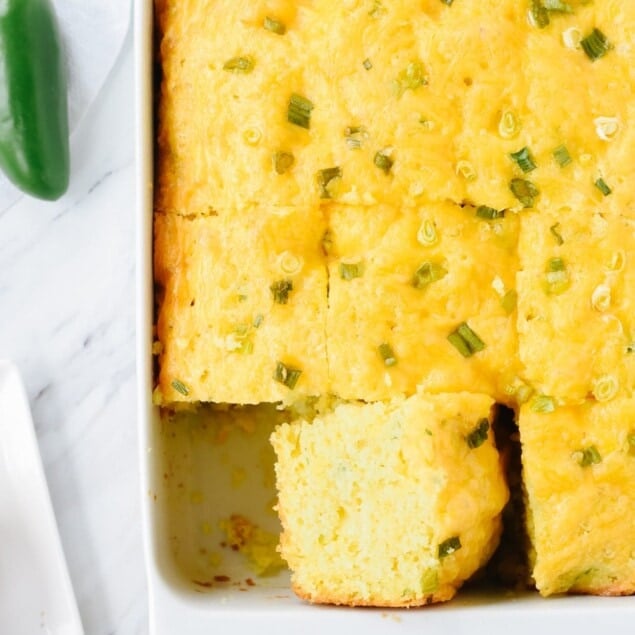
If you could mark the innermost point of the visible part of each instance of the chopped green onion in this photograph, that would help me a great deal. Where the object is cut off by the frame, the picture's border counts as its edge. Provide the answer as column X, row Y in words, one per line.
column 557, row 278
column 630, row 348
column 355, row 136
column 324, row 178
column 387, row 354
column 427, row 234
column 299, row 111
column 525, row 191
column 351, row 270
column 448, row 2
column 557, row 6
column 239, row 65
column 179, row 386
column 539, row 14
column 411, row 78
column 283, row 161
column 508, row 126
column 555, row 264
column 595, row 45
column 465, row 340
column 378, row 9
column 562, row 156
column 466, row 170
column 258, row 320
column 555, row 231
column 275, row 26
column 281, row 290
column 367, row 64
column 602, row 186
column 489, row 213
column 631, row 443
column 449, row 546
column 589, row 456
column 428, row 273
column 543, row 404
column 524, row 160
column 383, row 161
column 478, row 436
column 605, row 388
column 509, row 301
column 287, row 375
column 430, row 577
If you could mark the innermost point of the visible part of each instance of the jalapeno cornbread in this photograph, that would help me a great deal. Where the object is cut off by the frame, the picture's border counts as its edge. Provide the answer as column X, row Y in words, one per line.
column 395, row 205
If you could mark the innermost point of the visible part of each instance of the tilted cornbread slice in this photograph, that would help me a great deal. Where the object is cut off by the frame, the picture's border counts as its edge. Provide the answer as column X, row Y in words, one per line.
column 242, row 312
column 576, row 304
column 579, row 467
column 389, row 504
column 421, row 297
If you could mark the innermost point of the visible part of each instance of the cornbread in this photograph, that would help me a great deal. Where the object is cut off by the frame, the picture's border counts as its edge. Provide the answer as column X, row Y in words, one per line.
column 579, row 466
column 391, row 284
column 382, row 504
column 410, row 207
column 240, row 302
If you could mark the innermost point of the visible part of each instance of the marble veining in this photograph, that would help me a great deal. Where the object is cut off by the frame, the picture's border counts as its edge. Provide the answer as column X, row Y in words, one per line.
column 67, row 307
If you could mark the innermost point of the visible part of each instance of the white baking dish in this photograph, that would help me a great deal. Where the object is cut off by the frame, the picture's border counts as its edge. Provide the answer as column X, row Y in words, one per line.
column 186, row 486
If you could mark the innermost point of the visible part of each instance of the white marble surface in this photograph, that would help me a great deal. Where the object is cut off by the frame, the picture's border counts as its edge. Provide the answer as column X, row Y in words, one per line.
column 67, row 310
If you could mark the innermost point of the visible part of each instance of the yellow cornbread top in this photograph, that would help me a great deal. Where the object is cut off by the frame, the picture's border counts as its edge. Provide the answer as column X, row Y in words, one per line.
column 407, row 102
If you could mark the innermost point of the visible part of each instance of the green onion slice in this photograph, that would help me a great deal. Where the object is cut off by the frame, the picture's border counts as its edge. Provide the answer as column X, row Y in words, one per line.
column 589, row 456
column 525, row 191
column 562, row 156
column 489, row 213
column 428, row 273
column 281, row 290
column 179, row 386
column 387, row 354
column 367, row 64
column 411, row 78
column 383, row 161
column 355, row 136
column 595, row 45
column 543, row 404
column 465, row 340
column 351, row 270
column 449, row 546
column 478, row 436
column 299, row 111
column 603, row 186
column 539, row 14
column 287, row 375
column 283, row 161
column 275, row 26
column 555, row 232
column 239, row 65
column 324, row 178
column 524, row 159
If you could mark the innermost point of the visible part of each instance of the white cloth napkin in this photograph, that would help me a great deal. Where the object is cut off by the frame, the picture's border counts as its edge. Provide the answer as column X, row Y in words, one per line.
column 93, row 32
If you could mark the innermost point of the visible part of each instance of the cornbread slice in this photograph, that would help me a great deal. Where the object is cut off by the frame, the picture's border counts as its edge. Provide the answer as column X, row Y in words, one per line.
column 582, row 106
column 401, row 281
column 579, row 466
column 576, row 304
column 242, row 313
column 384, row 504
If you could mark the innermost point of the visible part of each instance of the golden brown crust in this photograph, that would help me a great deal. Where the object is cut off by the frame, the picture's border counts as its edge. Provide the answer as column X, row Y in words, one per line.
column 442, row 595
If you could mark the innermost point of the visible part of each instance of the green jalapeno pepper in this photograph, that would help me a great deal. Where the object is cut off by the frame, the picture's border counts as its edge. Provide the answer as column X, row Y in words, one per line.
column 34, row 146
